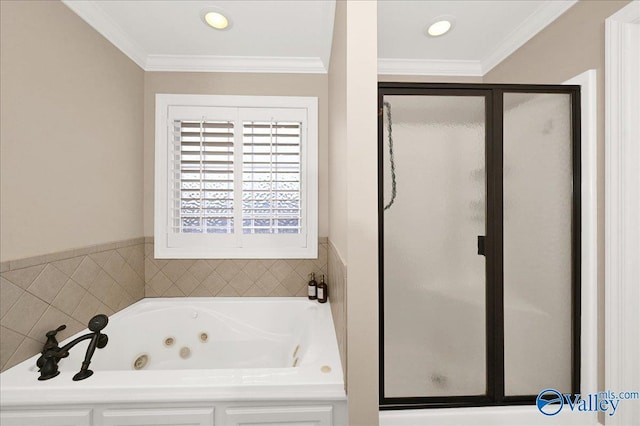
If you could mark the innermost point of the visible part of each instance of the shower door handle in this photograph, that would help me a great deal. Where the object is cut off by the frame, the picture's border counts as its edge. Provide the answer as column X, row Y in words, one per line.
column 481, row 245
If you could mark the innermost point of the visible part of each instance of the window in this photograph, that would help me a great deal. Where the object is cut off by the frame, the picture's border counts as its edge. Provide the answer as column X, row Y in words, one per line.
column 236, row 177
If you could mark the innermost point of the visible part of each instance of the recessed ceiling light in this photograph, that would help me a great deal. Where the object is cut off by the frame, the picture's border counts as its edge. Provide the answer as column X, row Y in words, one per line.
column 440, row 26
column 216, row 19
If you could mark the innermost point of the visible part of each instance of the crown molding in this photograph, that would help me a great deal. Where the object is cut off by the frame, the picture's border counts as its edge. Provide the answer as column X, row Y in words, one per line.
column 93, row 15
column 391, row 66
column 100, row 21
column 328, row 19
column 543, row 16
column 200, row 63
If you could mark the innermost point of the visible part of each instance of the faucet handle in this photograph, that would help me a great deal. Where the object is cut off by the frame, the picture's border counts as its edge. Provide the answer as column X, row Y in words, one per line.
column 52, row 342
column 53, row 333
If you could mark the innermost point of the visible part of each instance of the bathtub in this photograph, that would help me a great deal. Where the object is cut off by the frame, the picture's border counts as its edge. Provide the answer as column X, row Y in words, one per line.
column 223, row 360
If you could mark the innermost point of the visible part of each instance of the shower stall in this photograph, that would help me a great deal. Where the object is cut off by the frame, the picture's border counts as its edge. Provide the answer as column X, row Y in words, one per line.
column 479, row 233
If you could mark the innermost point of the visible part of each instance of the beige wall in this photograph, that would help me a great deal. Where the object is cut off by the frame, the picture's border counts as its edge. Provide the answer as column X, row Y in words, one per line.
column 235, row 84
column 338, row 134
column 362, row 212
column 71, row 113
column 569, row 46
column 353, row 247
column 338, row 181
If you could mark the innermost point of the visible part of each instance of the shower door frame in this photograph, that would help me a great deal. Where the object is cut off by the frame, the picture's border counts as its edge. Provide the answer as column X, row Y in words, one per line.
column 494, row 244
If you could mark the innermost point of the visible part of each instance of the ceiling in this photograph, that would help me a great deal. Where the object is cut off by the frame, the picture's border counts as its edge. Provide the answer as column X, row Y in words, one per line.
column 295, row 36
column 484, row 34
column 169, row 35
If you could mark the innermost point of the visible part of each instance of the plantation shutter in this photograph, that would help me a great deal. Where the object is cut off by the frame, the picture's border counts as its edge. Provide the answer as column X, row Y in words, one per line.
column 203, row 199
column 237, row 182
column 271, row 177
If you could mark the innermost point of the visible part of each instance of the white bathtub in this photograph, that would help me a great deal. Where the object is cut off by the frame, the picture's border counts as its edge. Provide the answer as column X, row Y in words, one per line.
column 239, row 352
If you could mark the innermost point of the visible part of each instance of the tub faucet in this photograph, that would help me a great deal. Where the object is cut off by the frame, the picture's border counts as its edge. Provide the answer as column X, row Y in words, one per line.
column 52, row 354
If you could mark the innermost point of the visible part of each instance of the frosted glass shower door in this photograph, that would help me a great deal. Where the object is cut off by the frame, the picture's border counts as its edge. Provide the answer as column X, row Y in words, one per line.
column 538, row 196
column 434, row 278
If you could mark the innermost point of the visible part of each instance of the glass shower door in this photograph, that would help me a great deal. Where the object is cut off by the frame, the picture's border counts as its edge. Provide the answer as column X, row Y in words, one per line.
column 434, row 202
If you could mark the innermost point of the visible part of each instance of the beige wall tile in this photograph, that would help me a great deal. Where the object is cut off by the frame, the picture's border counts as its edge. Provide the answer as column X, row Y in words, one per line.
column 214, row 283
column 24, row 313
column 187, row 283
column 268, row 282
column 114, row 295
column 23, row 277
column 201, row 291
column 86, row 272
column 337, row 277
column 27, row 348
column 228, row 269
column 201, row 270
column 47, row 285
column 173, row 291
column 241, row 282
column 10, row 342
column 68, row 266
column 255, row 269
column 86, row 309
column 69, row 297
column 160, row 283
column 9, row 294
column 281, row 269
column 101, row 257
column 150, row 269
column 114, row 265
column 228, row 291
column 214, row 275
column 255, row 291
column 294, row 282
column 280, row 291
column 101, row 285
column 174, row 270
column 50, row 320
column 31, row 315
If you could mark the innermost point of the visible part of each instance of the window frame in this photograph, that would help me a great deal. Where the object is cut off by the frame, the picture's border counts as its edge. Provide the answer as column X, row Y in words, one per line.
column 248, row 246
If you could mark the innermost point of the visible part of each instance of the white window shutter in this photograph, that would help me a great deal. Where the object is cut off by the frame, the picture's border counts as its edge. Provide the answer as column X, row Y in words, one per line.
column 238, row 181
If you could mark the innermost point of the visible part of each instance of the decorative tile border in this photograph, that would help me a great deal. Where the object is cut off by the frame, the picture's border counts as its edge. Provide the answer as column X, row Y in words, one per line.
column 40, row 293
column 231, row 277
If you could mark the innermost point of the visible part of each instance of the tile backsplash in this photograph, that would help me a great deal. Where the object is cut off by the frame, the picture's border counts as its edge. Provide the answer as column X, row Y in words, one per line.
column 338, row 295
column 38, row 294
column 230, row 277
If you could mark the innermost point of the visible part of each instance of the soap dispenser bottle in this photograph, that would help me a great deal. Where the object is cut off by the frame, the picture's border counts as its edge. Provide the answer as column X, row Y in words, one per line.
column 323, row 291
column 312, row 287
